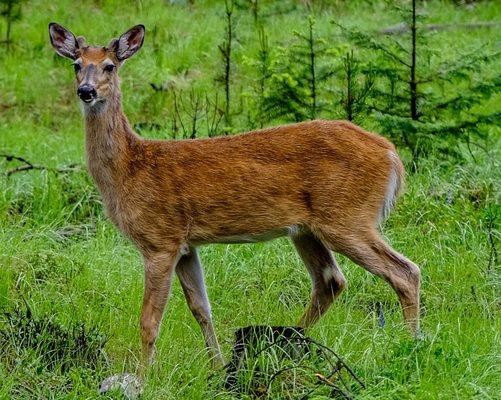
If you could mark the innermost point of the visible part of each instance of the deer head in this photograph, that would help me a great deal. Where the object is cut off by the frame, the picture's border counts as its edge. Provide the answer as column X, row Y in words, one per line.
column 96, row 67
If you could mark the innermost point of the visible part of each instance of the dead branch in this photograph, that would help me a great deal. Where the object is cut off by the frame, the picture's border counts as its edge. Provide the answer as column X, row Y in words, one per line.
column 28, row 166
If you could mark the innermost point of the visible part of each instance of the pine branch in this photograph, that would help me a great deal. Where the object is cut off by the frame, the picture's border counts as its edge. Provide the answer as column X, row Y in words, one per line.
column 458, row 67
column 474, row 95
column 366, row 41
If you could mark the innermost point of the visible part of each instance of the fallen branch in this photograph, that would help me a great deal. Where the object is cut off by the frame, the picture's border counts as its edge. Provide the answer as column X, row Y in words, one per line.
column 28, row 166
column 400, row 29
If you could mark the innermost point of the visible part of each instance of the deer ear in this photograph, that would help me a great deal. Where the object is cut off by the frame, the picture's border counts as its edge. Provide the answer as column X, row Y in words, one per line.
column 129, row 43
column 63, row 41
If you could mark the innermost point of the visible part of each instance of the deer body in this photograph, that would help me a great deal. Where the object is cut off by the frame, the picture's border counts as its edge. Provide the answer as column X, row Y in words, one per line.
column 326, row 184
column 243, row 188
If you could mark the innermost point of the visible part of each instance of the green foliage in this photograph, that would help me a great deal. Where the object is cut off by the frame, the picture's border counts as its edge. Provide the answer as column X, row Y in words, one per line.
column 55, row 352
column 285, row 97
column 10, row 10
column 60, row 347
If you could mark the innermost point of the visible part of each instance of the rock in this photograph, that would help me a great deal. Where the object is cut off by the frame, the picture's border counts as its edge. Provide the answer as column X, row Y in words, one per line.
column 128, row 384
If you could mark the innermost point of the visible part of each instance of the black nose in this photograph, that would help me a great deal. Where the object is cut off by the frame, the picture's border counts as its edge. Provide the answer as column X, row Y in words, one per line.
column 86, row 92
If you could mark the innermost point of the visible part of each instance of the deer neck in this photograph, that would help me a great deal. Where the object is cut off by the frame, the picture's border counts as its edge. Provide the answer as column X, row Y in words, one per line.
column 108, row 141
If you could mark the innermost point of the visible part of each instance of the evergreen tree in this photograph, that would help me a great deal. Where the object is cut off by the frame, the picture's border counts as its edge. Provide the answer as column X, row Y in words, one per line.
column 262, row 64
column 357, row 86
column 293, row 93
column 411, row 96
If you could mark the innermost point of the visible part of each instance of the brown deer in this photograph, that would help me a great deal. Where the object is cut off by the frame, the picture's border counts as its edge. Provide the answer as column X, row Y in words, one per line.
column 325, row 184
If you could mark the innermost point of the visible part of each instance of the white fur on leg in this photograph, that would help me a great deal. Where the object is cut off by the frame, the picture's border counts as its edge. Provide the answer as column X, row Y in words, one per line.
column 392, row 188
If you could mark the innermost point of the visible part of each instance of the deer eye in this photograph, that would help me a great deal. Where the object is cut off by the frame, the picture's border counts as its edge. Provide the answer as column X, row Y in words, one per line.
column 77, row 67
column 109, row 67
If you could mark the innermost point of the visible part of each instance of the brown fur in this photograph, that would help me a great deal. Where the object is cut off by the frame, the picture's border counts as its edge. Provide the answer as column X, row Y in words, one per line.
column 324, row 183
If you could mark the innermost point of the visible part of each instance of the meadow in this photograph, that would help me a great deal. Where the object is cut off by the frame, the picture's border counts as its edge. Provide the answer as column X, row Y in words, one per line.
column 71, row 285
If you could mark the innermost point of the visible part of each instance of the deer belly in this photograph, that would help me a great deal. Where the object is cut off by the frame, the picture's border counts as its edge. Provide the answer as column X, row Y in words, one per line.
column 221, row 237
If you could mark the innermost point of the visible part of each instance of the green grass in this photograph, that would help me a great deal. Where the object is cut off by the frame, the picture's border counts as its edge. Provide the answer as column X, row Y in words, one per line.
column 61, row 256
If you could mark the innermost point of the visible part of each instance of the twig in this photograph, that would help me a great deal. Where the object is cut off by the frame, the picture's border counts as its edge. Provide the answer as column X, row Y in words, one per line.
column 336, row 388
column 28, row 166
column 11, row 157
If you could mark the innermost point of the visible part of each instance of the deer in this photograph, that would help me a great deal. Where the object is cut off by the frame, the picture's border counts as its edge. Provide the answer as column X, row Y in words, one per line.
column 328, row 185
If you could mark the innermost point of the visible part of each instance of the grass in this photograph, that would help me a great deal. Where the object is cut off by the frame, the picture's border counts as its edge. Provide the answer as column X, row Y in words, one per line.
column 61, row 257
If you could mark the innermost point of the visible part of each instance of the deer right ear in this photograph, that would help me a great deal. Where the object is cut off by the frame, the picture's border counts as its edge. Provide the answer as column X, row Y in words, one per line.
column 63, row 41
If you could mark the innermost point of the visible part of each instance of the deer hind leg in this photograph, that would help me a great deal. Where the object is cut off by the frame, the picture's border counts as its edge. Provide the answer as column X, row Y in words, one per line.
column 158, row 272
column 327, row 279
column 190, row 273
column 368, row 250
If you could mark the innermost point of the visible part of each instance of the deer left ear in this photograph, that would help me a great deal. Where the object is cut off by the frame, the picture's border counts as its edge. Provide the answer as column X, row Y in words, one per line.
column 129, row 43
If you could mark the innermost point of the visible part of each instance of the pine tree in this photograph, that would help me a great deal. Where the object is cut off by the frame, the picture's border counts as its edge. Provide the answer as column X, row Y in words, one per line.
column 357, row 86
column 293, row 92
column 417, row 104
column 262, row 65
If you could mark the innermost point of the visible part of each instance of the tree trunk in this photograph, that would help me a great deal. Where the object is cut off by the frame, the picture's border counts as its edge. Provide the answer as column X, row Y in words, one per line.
column 413, row 82
column 313, row 73
column 8, row 17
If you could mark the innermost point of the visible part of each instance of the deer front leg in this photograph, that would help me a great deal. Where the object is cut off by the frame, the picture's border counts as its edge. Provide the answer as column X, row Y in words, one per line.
column 158, row 274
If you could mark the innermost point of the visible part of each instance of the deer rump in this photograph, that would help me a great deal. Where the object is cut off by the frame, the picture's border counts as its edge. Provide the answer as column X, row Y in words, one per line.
column 259, row 185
